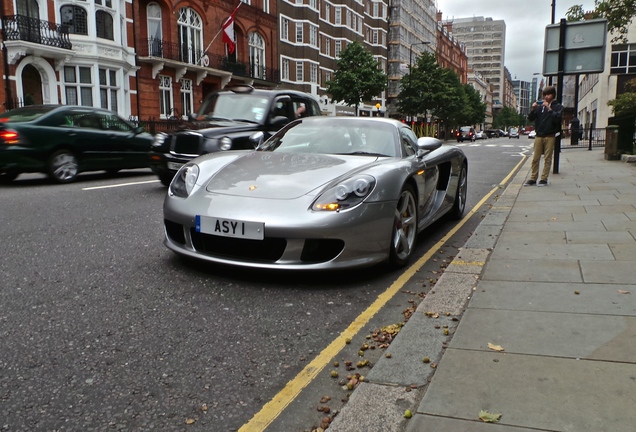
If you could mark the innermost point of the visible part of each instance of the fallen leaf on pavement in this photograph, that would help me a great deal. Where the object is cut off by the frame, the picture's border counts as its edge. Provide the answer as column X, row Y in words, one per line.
column 495, row 347
column 487, row 417
column 623, row 292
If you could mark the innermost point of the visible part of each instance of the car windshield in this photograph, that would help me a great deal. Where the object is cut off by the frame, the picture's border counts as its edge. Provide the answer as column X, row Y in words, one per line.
column 236, row 107
column 335, row 136
column 465, row 129
column 26, row 114
column 514, row 130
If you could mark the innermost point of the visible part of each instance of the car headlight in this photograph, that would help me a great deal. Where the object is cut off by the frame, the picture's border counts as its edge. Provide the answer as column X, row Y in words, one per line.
column 226, row 143
column 345, row 195
column 184, row 181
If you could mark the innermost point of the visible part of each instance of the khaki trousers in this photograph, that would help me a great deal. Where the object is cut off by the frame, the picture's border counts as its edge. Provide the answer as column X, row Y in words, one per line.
column 542, row 146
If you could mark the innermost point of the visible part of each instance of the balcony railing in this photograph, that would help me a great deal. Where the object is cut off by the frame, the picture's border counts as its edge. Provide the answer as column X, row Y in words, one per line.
column 172, row 51
column 24, row 28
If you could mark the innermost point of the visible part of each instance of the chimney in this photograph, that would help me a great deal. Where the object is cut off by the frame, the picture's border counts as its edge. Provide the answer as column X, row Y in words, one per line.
column 439, row 16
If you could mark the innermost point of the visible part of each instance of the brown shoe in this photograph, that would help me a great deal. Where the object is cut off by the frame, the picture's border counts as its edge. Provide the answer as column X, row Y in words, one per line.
column 530, row 183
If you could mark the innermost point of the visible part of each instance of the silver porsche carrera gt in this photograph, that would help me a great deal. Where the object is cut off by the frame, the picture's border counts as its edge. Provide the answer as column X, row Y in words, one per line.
column 322, row 193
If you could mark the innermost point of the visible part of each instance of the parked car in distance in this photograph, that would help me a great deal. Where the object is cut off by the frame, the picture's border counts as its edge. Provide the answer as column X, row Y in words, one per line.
column 503, row 133
column 513, row 133
column 481, row 135
column 322, row 193
column 465, row 133
column 63, row 141
column 532, row 134
column 225, row 121
column 492, row 133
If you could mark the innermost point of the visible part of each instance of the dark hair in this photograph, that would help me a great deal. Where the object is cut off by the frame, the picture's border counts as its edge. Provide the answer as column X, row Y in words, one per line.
column 549, row 90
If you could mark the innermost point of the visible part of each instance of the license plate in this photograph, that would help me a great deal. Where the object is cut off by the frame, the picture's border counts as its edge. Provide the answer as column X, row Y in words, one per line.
column 175, row 166
column 230, row 228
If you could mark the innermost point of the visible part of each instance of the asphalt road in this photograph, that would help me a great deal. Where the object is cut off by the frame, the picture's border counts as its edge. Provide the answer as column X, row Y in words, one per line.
column 102, row 328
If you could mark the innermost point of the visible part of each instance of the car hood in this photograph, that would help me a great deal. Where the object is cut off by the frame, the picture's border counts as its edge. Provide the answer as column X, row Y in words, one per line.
column 282, row 175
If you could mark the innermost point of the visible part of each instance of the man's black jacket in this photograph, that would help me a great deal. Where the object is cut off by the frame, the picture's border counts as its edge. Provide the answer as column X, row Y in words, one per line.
column 547, row 122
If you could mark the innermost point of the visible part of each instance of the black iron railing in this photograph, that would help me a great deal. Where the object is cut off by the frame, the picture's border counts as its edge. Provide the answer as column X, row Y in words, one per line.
column 24, row 28
column 153, row 47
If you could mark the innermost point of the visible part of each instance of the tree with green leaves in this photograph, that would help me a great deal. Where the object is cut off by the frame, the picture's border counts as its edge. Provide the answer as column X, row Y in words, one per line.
column 507, row 117
column 474, row 108
column 619, row 14
column 357, row 78
column 625, row 104
column 420, row 87
column 450, row 102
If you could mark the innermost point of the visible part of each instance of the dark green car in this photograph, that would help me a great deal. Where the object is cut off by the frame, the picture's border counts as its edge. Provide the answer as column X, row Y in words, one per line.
column 62, row 141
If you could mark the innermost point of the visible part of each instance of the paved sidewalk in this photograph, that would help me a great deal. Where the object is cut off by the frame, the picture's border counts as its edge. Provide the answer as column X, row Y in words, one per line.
column 550, row 277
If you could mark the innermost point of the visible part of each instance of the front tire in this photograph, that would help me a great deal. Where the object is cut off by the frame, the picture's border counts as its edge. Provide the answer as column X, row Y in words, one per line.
column 404, row 232
column 459, row 204
column 63, row 166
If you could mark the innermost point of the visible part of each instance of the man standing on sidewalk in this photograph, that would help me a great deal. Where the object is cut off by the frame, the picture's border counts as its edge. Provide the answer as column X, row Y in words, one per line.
column 547, row 124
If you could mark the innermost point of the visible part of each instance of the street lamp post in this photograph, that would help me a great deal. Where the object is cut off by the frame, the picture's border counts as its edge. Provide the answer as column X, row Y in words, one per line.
column 411, row 63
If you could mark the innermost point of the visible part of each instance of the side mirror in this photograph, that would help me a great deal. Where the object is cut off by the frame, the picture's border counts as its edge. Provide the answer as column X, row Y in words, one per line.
column 279, row 121
column 426, row 145
column 257, row 138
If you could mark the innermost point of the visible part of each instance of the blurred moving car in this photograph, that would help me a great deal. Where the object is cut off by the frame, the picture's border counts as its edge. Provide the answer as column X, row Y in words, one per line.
column 225, row 121
column 63, row 141
column 481, row 135
column 532, row 134
column 465, row 133
column 322, row 193
column 513, row 133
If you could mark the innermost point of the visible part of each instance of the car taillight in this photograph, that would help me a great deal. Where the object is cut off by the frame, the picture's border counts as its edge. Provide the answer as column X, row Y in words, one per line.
column 10, row 136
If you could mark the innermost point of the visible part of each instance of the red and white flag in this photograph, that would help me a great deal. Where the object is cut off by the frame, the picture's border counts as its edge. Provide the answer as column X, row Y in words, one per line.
column 228, row 32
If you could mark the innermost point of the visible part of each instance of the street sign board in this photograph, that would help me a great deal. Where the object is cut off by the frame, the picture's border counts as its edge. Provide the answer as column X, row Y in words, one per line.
column 584, row 47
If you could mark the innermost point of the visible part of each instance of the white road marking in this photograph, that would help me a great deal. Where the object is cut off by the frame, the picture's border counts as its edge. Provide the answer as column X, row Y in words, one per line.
column 120, row 185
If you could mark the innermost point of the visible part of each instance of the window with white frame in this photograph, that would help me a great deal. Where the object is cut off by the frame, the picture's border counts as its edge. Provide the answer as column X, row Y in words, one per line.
column 284, row 29
column 349, row 18
column 375, row 13
column 266, row 6
column 108, row 89
column 313, row 73
column 190, row 35
column 299, row 32
column 375, row 37
column 313, row 35
column 300, row 70
column 312, row 4
column 623, row 59
column 165, row 96
column 75, row 19
column 327, row 46
column 107, row 3
column 104, row 25
column 327, row 76
column 285, row 69
column 338, row 48
column 186, row 97
column 338, row 18
column 257, row 55
column 327, row 12
column 78, row 85
column 155, row 33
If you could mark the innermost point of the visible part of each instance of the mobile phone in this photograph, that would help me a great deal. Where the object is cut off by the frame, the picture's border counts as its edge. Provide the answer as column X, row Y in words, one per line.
column 539, row 102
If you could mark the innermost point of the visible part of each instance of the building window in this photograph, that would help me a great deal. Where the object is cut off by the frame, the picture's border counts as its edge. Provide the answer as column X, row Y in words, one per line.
column 338, row 48
column 107, row 3
column 285, row 69
column 155, row 32
column 266, row 6
column 104, row 25
column 108, row 89
column 338, row 12
column 75, row 18
column 327, row 12
column 78, row 85
column 284, row 29
column 313, row 36
column 165, row 96
column 190, row 35
column 623, row 60
column 257, row 55
column 327, row 46
column 327, row 77
column 375, row 37
column 313, row 73
column 299, row 32
column 299, row 71
column 312, row 4
column 186, row 97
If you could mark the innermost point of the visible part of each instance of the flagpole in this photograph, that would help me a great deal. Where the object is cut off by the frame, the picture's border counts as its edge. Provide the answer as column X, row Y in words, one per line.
column 219, row 32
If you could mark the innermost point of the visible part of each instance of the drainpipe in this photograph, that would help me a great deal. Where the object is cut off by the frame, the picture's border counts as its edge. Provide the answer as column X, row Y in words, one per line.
column 135, row 19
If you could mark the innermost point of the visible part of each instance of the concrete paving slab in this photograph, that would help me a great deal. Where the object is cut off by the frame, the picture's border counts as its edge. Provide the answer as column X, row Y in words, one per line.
column 548, row 212
column 534, row 270
column 599, row 299
column 374, row 407
column 468, row 260
column 418, row 339
column 610, row 272
column 539, row 202
column 450, row 294
column 546, row 393
column 584, row 336
column 618, row 217
column 555, row 226
column 620, row 225
column 515, row 238
column 608, row 209
column 624, row 251
column 426, row 423
column 496, row 217
column 484, row 237
column 587, row 237
column 600, row 252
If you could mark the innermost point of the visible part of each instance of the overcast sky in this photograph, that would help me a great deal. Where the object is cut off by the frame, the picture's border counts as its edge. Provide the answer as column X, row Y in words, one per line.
column 525, row 26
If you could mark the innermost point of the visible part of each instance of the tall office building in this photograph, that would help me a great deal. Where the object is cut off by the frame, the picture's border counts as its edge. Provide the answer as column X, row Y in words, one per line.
column 485, row 41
